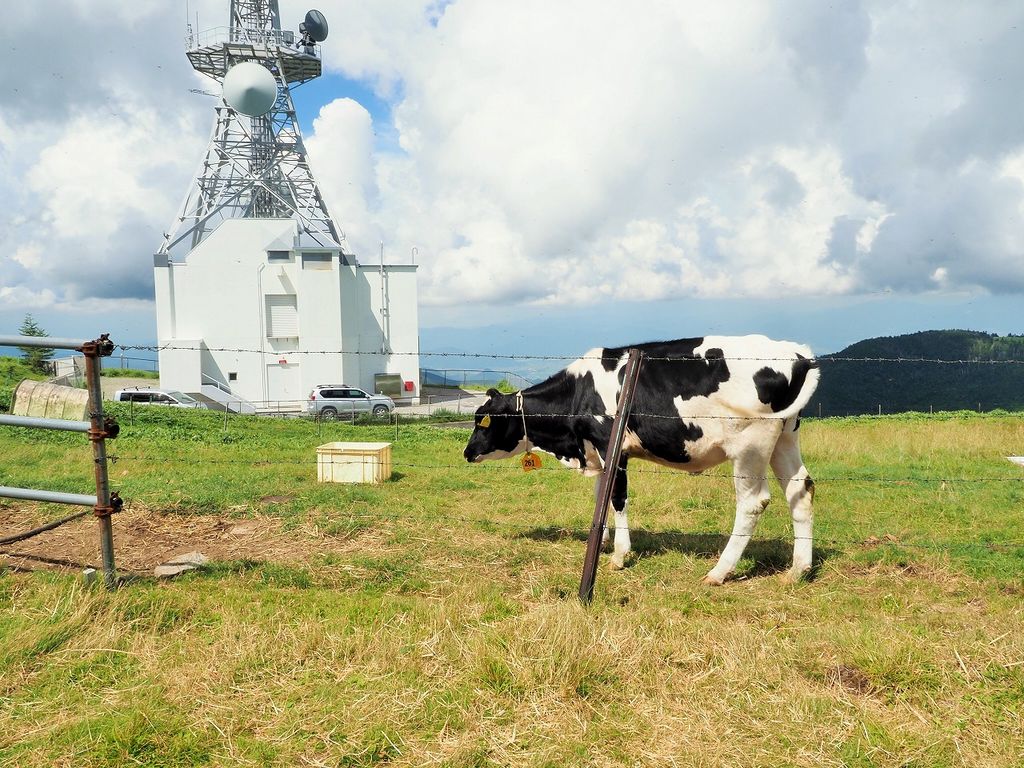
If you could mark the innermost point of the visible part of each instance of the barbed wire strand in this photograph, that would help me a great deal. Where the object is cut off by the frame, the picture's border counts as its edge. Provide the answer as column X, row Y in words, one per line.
column 562, row 469
column 501, row 356
column 493, row 467
column 871, row 541
column 346, row 415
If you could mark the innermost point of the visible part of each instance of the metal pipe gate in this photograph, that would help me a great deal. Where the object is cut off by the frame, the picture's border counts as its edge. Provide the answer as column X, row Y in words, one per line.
column 99, row 428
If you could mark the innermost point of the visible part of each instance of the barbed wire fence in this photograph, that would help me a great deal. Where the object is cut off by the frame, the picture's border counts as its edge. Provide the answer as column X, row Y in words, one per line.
column 711, row 540
column 555, row 357
column 876, row 406
column 823, row 538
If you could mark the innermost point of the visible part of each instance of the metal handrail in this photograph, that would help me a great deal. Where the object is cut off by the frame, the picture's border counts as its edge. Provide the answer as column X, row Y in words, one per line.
column 38, row 423
column 284, row 38
column 207, row 379
column 45, row 342
column 56, row 497
column 457, row 377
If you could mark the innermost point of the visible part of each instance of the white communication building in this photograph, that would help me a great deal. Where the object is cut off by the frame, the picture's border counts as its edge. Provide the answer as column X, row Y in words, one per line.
column 257, row 298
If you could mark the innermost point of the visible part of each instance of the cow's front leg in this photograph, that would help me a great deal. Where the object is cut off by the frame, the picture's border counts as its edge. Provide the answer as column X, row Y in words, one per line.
column 606, row 533
column 751, row 499
column 619, row 501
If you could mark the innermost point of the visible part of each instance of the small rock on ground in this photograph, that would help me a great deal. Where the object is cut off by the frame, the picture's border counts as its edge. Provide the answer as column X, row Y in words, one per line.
column 187, row 561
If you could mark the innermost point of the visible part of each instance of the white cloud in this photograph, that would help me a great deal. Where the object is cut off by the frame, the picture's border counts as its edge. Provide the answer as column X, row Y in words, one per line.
column 107, row 169
column 97, row 145
column 29, row 256
column 576, row 153
column 570, row 152
column 21, row 297
column 341, row 155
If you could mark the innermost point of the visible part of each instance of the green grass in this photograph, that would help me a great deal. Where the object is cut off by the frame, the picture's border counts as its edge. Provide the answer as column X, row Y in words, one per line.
column 132, row 373
column 12, row 371
column 433, row 619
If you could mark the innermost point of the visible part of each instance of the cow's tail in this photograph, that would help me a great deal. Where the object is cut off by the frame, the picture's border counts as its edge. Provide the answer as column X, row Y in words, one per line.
column 803, row 381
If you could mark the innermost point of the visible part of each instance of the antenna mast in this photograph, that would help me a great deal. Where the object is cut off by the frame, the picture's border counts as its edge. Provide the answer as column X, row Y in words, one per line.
column 255, row 165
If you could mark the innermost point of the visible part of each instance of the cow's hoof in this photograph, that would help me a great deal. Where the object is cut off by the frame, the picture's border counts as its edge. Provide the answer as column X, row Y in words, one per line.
column 795, row 575
column 712, row 581
column 617, row 562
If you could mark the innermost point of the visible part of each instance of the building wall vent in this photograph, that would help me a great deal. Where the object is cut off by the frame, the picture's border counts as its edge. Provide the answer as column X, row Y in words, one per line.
column 282, row 316
column 316, row 260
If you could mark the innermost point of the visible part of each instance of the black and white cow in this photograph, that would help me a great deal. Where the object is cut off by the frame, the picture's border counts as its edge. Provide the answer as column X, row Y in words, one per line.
column 699, row 402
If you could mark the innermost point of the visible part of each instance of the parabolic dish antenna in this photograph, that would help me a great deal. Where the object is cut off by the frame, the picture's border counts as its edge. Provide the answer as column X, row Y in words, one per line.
column 315, row 25
column 250, row 88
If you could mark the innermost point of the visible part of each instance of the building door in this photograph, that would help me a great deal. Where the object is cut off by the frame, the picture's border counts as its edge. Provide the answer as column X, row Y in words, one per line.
column 284, row 383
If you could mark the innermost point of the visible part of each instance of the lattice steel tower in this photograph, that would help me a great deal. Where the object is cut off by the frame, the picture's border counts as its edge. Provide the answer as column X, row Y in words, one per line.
column 256, row 165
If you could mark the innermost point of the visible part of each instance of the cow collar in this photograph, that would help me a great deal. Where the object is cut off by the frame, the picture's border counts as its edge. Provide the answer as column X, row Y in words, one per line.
column 520, row 406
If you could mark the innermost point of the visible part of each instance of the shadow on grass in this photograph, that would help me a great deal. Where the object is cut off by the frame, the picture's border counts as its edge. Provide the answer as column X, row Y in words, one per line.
column 770, row 556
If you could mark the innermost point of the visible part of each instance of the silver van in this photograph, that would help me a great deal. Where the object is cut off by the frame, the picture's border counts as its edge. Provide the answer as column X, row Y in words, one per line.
column 151, row 396
column 333, row 401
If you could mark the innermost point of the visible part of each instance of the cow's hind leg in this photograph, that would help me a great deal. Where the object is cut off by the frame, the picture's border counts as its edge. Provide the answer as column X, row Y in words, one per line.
column 752, row 497
column 796, row 483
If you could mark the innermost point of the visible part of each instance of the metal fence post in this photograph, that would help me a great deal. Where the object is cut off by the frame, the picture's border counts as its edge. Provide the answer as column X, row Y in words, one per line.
column 100, row 430
column 611, row 465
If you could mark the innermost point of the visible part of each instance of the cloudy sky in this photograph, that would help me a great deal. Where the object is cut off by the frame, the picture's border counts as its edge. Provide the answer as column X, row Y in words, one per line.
column 570, row 172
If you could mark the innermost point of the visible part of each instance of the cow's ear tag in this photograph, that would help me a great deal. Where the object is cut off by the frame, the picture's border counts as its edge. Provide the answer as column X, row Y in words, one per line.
column 485, row 421
column 531, row 461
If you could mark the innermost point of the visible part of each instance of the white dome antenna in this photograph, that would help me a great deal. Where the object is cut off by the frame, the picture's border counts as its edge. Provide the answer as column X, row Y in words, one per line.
column 250, row 88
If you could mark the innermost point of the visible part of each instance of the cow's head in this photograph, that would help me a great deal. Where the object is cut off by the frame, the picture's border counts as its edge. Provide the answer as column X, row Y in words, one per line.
column 498, row 431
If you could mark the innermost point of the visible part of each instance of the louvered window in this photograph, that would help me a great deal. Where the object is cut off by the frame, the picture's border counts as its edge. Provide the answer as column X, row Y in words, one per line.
column 316, row 260
column 282, row 316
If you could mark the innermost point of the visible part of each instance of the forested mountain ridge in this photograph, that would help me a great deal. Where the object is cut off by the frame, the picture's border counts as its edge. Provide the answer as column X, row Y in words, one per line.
column 928, row 370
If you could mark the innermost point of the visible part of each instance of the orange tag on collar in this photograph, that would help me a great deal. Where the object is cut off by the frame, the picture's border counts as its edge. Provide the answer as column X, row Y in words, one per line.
column 531, row 461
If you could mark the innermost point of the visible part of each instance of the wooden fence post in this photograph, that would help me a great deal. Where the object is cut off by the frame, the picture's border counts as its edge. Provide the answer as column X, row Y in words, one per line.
column 607, row 486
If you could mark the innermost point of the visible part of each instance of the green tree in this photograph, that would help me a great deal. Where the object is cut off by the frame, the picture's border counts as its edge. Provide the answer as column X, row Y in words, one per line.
column 37, row 358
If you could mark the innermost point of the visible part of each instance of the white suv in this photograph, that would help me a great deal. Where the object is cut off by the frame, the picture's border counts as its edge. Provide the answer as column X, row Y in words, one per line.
column 331, row 401
column 151, row 396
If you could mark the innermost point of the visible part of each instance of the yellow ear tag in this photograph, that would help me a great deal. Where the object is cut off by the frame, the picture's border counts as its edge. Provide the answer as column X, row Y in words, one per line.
column 485, row 421
column 531, row 461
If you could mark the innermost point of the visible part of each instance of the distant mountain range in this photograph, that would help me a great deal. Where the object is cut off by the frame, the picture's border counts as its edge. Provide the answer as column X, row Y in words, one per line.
column 901, row 373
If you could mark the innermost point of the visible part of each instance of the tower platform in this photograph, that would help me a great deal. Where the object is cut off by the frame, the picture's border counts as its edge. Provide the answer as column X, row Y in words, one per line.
column 213, row 51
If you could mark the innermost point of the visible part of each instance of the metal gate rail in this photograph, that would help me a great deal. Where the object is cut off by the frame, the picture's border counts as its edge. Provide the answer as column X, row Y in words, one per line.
column 99, row 428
